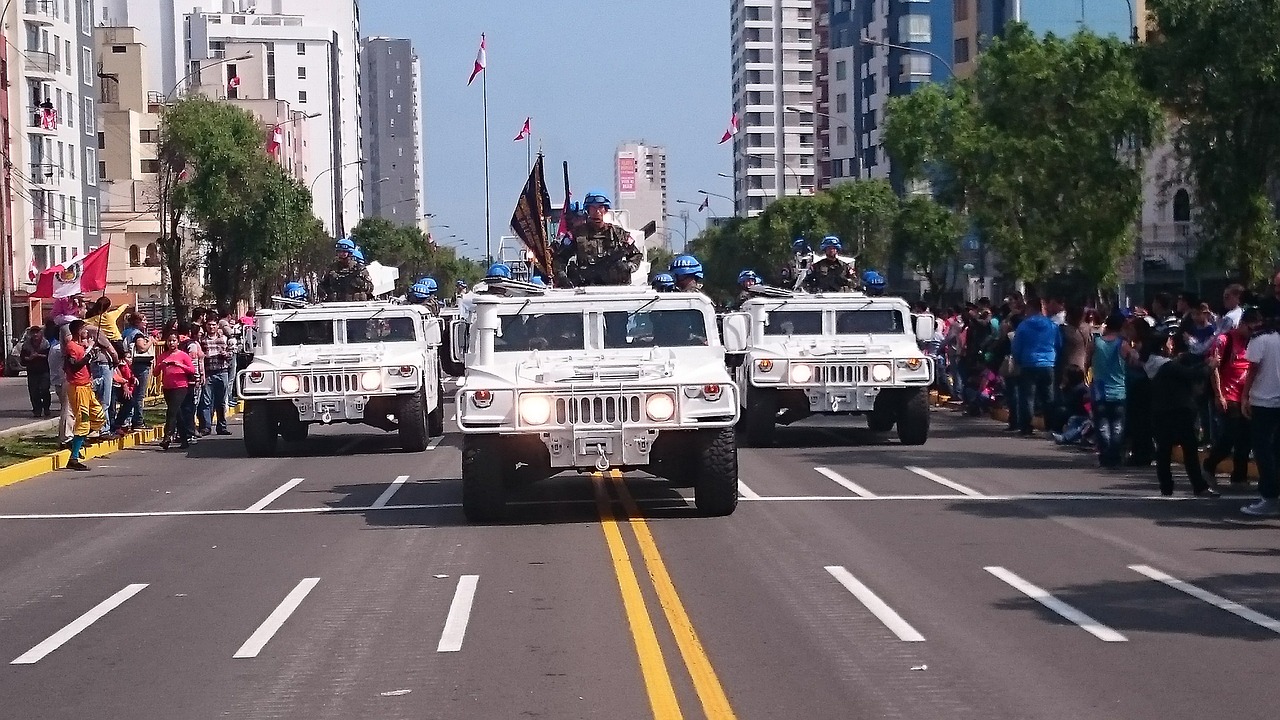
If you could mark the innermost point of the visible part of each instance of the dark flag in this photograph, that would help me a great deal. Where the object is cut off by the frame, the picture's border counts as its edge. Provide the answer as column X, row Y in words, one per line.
column 529, row 221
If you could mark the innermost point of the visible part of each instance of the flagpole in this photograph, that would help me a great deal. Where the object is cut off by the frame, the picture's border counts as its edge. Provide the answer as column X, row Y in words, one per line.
column 484, row 93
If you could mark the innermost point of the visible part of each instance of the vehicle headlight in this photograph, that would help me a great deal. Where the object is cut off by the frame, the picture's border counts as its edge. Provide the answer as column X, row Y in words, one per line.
column 801, row 373
column 371, row 380
column 535, row 409
column 660, row 407
column 881, row 372
column 290, row 384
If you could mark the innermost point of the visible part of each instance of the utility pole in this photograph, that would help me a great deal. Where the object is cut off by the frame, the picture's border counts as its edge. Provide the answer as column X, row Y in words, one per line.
column 7, row 303
column 684, row 215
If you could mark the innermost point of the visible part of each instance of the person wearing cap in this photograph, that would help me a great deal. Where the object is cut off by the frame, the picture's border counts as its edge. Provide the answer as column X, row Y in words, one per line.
column 605, row 253
column 347, row 279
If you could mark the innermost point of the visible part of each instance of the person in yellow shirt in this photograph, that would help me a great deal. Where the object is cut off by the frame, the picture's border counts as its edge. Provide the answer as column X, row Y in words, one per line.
column 104, row 323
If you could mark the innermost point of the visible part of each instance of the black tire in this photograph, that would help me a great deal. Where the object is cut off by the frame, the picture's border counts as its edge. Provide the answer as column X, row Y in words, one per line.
column 435, row 419
column 411, row 414
column 483, row 493
column 885, row 413
column 759, row 418
column 913, row 417
column 715, row 491
column 261, row 431
column 294, row 431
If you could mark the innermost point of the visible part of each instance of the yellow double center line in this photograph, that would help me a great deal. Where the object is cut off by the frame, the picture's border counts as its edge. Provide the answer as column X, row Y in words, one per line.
column 653, row 667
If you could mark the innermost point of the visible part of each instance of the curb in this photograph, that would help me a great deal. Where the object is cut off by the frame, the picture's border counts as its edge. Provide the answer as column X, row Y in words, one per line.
column 31, row 427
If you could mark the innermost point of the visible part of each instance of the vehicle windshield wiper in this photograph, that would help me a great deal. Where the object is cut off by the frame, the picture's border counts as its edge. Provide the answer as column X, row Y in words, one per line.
column 640, row 309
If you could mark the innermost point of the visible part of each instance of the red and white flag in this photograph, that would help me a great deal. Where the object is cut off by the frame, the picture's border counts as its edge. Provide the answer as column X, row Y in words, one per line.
column 75, row 277
column 183, row 175
column 525, row 131
column 49, row 119
column 33, row 271
column 481, row 60
column 706, row 203
column 276, row 143
column 733, row 129
column 233, row 82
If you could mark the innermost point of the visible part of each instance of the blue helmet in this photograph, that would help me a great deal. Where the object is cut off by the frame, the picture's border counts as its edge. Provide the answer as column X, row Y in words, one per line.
column 295, row 291
column 429, row 282
column 346, row 244
column 420, row 291
column 871, row 278
column 801, row 246
column 498, row 270
column 663, row 281
column 684, row 265
column 537, row 280
column 748, row 276
column 596, row 197
column 461, row 284
column 831, row 241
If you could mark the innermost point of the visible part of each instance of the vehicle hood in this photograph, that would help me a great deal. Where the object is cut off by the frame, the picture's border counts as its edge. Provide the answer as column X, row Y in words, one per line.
column 337, row 357
column 843, row 346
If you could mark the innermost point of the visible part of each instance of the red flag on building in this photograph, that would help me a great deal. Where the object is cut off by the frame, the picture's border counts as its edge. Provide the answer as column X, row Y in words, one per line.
column 276, row 143
column 525, row 131
column 234, row 82
column 76, row 277
column 733, row 129
column 49, row 119
column 33, row 271
column 481, row 60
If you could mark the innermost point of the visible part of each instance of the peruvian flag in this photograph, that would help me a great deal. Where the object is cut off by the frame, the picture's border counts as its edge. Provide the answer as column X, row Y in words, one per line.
column 49, row 119
column 234, row 82
column 562, row 230
column 76, row 277
column 733, row 129
column 525, row 131
column 481, row 60
column 276, row 143
column 706, row 203
column 33, row 271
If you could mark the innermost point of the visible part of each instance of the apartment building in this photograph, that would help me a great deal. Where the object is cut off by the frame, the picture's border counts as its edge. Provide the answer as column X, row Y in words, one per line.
column 391, row 89
column 640, row 186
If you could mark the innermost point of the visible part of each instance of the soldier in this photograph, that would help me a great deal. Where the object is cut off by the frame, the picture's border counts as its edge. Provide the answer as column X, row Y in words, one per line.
column 687, row 272
column 347, row 279
column 747, row 279
column 663, row 282
column 606, row 254
column 874, row 282
column 423, row 292
column 295, row 291
column 830, row 274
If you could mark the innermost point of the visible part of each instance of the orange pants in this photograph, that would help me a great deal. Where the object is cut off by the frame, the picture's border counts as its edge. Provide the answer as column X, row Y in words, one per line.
column 86, row 412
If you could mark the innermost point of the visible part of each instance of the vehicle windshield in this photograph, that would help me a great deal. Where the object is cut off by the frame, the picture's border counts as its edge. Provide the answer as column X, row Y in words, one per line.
column 862, row 322
column 655, row 328
column 549, row 331
column 381, row 329
column 304, row 332
column 794, row 322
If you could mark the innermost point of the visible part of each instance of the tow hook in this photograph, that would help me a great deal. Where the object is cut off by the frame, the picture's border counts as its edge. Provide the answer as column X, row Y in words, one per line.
column 602, row 462
column 326, row 418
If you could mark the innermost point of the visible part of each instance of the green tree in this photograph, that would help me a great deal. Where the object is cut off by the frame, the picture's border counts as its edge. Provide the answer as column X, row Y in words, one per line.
column 927, row 236
column 1214, row 65
column 862, row 214
column 659, row 259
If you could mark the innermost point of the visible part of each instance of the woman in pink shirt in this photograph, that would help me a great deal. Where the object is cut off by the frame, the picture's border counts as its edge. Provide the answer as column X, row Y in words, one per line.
column 177, row 373
column 1228, row 382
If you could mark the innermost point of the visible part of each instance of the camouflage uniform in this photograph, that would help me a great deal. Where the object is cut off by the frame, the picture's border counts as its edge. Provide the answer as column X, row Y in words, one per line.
column 694, row 287
column 346, row 281
column 606, row 256
column 830, row 275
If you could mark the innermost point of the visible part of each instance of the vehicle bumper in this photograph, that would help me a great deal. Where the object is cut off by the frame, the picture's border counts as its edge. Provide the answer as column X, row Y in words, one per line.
column 339, row 408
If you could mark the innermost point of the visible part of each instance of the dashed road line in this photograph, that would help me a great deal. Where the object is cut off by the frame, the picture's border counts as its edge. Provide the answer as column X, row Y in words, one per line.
column 77, row 626
column 435, row 442
column 844, row 482
column 276, row 619
column 273, row 496
column 747, row 492
column 1042, row 596
column 878, row 607
column 1217, row 601
column 385, row 497
column 962, row 489
column 455, row 624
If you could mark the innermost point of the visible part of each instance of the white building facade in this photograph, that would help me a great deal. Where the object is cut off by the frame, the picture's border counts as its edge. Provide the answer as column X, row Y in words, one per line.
column 640, row 186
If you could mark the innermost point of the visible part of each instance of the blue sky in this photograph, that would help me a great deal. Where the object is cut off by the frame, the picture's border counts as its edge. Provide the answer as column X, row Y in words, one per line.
column 1105, row 17
column 591, row 74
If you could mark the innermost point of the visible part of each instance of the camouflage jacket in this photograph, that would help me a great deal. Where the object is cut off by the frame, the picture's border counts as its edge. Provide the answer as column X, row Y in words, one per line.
column 604, row 257
column 346, row 283
column 830, row 275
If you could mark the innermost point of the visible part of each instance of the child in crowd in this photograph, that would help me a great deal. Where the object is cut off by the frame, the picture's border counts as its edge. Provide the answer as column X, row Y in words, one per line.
column 1075, row 397
column 124, row 383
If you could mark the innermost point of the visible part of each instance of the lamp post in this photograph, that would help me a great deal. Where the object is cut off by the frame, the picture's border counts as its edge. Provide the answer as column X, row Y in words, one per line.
column 718, row 195
column 316, row 179
column 869, row 41
column 857, row 156
column 201, row 68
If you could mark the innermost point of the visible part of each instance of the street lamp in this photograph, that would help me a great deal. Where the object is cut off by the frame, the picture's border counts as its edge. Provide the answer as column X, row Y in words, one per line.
column 922, row 51
column 857, row 155
column 336, row 219
column 201, row 68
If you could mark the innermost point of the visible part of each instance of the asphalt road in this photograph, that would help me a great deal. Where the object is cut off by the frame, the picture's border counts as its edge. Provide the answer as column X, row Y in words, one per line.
column 15, row 404
column 343, row 582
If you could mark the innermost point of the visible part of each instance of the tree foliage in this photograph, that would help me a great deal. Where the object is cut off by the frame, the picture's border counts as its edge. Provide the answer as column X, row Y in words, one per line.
column 409, row 249
column 927, row 236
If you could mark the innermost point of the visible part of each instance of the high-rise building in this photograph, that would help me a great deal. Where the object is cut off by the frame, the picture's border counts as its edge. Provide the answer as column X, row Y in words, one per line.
column 773, row 45
column 390, row 87
column 301, row 51
column 640, row 186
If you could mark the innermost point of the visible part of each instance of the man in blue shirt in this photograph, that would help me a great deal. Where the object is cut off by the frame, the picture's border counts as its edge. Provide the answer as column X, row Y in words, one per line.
column 1035, row 349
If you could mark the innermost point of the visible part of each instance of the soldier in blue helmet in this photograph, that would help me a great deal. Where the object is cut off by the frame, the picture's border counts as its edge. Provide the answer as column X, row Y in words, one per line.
column 747, row 279
column 687, row 271
column 423, row 292
column 498, row 271
column 606, row 254
column 830, row 274
column 295, row 291
column 663, row 282
column 874, row 282
column 347, row 279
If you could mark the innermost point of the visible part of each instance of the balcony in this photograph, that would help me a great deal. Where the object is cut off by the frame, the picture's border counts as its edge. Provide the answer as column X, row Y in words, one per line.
column 44, row 174
column 37, row 123
column 39, row 62
column 40, row 12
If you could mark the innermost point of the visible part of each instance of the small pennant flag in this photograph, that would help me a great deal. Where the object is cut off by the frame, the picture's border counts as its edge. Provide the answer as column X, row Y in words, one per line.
column 525, row 131
column 276, row 143
column 75, row 277
column 234, row 82
column 481, row 60
column 706, row 203
column 733, row 129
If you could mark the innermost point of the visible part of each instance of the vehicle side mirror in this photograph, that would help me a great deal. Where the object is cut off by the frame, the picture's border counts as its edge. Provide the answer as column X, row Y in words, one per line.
column 926, row 326
column 249, row 339
column 736, row 330
column 433, row 331
column 457, row 341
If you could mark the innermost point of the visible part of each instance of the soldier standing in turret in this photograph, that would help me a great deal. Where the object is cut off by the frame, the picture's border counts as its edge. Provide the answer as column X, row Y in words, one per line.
column 347, row 279
column 830, row 274
column 606, row 254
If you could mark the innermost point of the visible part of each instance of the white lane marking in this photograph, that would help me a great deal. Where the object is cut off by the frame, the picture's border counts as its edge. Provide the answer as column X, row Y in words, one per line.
column 1217, row 601
column 878, row 607
column 747, row 492
column 1091, row 626
column 962, row 489
column 455, row 625
column 273, row 496
column 435, row 442
column 845, row 482
column 275, row 620
column 385, row 497
column 77, row 626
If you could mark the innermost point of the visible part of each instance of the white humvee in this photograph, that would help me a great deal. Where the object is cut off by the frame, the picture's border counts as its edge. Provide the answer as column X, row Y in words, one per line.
column 592, row 379
column 374, row 363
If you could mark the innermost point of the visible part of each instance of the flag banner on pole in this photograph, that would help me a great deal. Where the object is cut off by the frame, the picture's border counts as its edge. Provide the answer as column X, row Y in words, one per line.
column 706, row 203
column 33, row 271
column 276, row 142
column 48, row 119
column 529, row 221
column 525, row 131
column 482, row 59
column 733, row 129
column 75, row 277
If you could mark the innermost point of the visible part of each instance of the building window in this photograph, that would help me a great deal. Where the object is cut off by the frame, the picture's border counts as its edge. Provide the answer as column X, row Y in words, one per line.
column 102, row 141
column 148, row 136
column 119, row 49
column 842, row 135
column 302, row 73
column 842, row 102
column 917, row 66
column 1182, row 206
column 841, row 69
column 961, row 11
column 102, row 168
column 86, row 120
column 91, row 168
column 237, row 19
column 135, row 256
column 915, row 29
column 91, row 214
column 302, row 96
column 150, row 167
column 87, row 65
column 302, row 48
column 69, row 54
column 962, row 50
column 86, row 17
column 75, row 223
column 71, row 160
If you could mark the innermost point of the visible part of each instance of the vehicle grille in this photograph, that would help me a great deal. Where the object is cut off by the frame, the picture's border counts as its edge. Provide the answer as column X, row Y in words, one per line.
column 337, row 382
column 598, row 409
column 842, row 374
